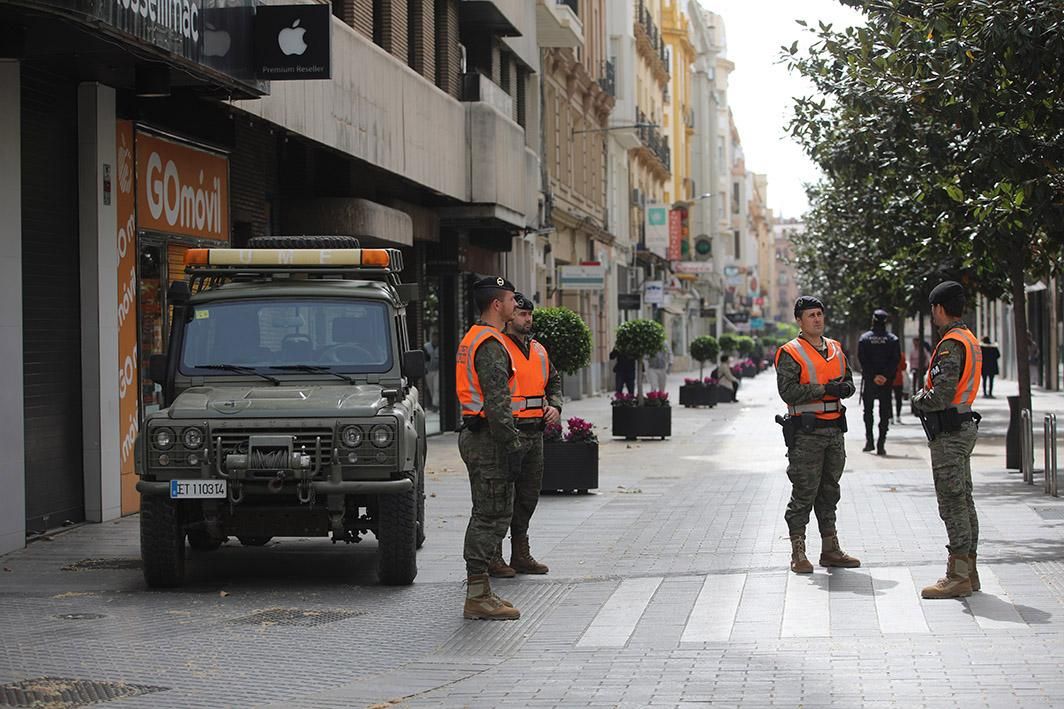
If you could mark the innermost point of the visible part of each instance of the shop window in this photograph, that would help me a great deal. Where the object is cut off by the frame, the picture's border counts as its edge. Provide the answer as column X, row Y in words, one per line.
column 152, row 277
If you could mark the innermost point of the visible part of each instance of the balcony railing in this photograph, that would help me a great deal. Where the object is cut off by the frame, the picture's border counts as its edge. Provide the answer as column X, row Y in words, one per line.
column 657, row 41
column 655, row 141
column 608, row 81
column 574, row 5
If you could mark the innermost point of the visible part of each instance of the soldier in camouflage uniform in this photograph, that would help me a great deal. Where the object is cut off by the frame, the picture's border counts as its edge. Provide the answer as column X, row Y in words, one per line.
column 812, row 377
column 530, row 430
column 488, row 442
column 944, row 407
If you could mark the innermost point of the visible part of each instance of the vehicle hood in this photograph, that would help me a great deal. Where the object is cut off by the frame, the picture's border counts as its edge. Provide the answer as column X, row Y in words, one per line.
column 278, row 402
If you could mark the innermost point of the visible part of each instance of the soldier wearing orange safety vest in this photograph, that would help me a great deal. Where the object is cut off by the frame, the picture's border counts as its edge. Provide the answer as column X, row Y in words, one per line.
column 813, row 376
column 537, row 401
column 488, row 442
column 944, row 406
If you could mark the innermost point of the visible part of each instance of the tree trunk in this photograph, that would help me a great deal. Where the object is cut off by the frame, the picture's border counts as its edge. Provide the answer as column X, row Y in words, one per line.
column 1019, row 320
column 639, row 381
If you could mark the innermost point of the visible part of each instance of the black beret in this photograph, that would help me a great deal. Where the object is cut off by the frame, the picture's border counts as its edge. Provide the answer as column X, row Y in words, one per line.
column 880, row 315
column 497, row 282
column 524, row 303
column 945, row 292
column 806, row 302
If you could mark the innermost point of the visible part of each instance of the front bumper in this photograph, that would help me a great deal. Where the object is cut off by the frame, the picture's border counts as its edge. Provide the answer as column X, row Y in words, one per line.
column 325, row 487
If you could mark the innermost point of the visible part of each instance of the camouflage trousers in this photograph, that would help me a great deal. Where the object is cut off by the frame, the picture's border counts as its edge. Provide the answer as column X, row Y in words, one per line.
column 527, row 486
column 815, row 469
column 952, row 470
column 492, row 493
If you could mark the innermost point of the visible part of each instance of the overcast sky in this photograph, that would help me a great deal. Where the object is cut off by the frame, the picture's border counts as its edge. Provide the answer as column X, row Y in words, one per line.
column 760, row 90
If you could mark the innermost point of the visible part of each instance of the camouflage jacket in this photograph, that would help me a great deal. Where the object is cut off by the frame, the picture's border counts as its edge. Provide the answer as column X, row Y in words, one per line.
column 494, row 369
column 788, row 378
column 945, row 371
column 554, row 380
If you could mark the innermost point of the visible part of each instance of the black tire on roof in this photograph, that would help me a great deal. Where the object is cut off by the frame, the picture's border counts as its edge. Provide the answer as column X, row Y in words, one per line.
column 304, row 242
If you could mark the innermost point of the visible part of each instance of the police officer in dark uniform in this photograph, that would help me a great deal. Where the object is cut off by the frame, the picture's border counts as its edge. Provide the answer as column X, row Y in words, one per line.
column 878, row 352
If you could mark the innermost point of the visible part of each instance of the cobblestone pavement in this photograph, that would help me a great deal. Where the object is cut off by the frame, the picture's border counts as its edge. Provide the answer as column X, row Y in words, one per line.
column 668, row 587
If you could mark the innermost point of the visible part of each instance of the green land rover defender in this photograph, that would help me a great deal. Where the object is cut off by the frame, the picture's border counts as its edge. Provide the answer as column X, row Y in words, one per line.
column 290, row 407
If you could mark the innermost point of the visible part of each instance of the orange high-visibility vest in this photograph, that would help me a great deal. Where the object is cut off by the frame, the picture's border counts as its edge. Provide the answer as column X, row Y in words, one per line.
column 817, row 369
column 530, row 373
column 968, row 385
column 467, row 383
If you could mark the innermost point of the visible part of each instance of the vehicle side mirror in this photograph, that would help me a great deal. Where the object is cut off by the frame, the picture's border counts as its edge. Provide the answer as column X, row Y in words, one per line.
column 414, row 364
column 157, row 368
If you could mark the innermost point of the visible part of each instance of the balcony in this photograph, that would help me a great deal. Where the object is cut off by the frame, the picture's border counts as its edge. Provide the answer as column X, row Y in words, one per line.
column 651, row 44
column 608, row 81
column 655, row 141
column 558, row 24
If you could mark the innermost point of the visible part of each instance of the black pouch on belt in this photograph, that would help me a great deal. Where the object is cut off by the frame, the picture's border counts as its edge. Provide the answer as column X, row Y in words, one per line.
column 808, row 422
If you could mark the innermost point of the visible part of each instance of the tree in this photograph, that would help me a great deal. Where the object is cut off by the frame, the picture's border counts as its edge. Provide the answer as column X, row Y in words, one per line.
column 703, row 349
column 566, row 337
column 940, row 137
column 638, row 339
column 729, row 342
column 746, row 345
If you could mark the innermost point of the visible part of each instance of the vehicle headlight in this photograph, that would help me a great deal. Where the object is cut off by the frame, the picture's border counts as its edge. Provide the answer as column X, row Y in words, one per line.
column 351, row 436
column 164, row 438
column 381, row 436
column 192, row 438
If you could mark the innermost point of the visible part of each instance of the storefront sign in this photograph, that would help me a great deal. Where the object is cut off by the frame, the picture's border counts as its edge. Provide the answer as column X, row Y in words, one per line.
column 126, row 244
column 181, row 190
column 675, row 234
column 757, row 323
column 293, row 42
column 738, row 317
column 654, row 292
column 693, row 267
column 657, row 230
column 628, row 301
column 581, row 277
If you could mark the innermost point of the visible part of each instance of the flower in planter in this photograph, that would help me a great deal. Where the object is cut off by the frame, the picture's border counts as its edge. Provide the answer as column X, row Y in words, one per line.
column 657, row 398
column 552, row 432
column 623, row 399
column 711, row 381
column 580, row 431
column 691, row 382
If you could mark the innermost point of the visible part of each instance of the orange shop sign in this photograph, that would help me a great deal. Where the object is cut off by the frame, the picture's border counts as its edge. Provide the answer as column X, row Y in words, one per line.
column 181, row 190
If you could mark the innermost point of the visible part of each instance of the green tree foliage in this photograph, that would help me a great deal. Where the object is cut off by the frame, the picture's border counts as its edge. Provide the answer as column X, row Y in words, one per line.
column 729, row 342
column 746, row 345
column 938, row 128
column 704, row 349
column 566, row 337
column 639, row 339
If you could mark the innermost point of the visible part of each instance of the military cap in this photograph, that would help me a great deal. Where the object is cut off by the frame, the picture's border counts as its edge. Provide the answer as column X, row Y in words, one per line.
column 944, row 292
column 523, row 303
column 880, row 315
column 496, row 282
column 806, row 302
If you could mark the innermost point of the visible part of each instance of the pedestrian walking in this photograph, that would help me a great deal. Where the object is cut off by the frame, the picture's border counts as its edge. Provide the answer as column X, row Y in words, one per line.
column 918, row 355
column 878, row 352
column 812, row 377
column 945, row 409
column 536, row 402
column 623, row 372
column 899, row 386
column 658, row 367
column 432, row 372
column 991, row 356
column 489, row 443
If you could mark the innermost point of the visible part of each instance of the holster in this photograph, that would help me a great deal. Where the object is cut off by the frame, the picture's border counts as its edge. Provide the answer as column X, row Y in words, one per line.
column 790, row 426
column 931, row 422
column 473, row 423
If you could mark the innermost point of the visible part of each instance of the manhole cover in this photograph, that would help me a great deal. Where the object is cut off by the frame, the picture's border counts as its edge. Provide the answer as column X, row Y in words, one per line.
column 301, row 617
column 1050, row 513
column 98, row 564
column 60, row 693
column 80, row 616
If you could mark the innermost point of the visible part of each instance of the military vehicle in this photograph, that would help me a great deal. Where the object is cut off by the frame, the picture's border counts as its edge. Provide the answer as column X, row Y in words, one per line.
column 290, row 407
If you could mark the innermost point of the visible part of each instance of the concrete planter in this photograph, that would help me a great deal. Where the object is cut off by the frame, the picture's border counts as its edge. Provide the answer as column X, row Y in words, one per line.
column 570, row 466
column 631, row 422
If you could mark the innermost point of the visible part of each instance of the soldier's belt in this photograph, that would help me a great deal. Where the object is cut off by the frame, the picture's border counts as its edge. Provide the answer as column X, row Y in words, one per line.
column 818, row 407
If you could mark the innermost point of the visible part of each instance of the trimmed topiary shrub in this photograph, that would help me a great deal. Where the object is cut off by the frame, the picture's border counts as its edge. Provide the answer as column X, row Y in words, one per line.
column 566, row 337
column 729, row 343
column 639, row 339
column 745, row 344
column 704, row 349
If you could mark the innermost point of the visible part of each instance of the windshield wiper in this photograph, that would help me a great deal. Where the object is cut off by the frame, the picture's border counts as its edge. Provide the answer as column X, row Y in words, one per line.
column 240, row 370
column 312, row 369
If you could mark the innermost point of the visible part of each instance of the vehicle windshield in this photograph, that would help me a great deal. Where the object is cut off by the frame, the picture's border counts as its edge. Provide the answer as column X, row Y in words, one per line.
column 342, row 335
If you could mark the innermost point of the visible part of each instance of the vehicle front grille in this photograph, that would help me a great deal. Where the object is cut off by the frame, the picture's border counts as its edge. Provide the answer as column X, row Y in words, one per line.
column 235, row 440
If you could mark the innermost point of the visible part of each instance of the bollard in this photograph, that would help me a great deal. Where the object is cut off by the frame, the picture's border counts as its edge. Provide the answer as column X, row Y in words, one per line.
column 1026, row 447
column 1049, row 426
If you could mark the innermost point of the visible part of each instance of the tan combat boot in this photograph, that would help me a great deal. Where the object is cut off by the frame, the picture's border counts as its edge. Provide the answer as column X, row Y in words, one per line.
column 497, row 568
column 482, row 604
column 973, row 573
column 521, row 558
column 955, row 584
column 831, row 554
column 799, row 563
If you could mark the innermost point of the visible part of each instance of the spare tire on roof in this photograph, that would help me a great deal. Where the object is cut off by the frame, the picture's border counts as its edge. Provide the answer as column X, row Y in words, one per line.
column 304, row 242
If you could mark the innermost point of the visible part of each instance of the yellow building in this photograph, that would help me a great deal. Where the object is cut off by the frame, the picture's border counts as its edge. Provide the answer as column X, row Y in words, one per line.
column 650, row 167
column 679, row 123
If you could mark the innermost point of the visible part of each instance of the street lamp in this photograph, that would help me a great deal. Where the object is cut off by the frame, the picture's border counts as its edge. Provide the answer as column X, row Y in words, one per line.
column 604, row 130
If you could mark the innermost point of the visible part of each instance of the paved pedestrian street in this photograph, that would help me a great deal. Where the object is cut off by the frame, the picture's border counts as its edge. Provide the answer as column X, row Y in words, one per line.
column 669, row 586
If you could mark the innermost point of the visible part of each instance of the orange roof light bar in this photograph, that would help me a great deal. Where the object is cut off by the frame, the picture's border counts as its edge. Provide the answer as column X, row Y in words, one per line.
column 368, row 258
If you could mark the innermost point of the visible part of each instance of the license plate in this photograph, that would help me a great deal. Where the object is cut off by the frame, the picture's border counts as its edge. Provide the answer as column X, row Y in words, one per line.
column 196, row 489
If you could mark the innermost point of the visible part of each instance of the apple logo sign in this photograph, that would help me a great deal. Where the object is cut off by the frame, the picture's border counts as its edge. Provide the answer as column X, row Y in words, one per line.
column 290, row 39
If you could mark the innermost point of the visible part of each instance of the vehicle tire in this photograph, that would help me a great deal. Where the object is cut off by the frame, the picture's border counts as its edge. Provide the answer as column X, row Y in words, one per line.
column 162, row 542
column 199, row 540
column 397, row 538
column 303, row 242
column 420, row 472
column 254, row 541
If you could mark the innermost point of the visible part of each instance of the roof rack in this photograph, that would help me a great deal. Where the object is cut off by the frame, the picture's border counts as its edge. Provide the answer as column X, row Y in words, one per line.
column 209, row 268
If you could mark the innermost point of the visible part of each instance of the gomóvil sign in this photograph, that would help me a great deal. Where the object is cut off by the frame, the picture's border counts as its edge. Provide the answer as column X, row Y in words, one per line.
column 181, row 189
